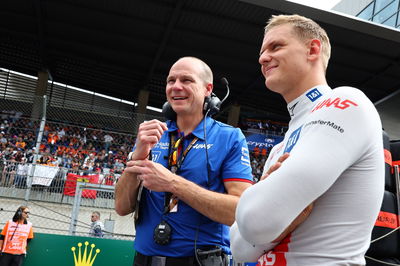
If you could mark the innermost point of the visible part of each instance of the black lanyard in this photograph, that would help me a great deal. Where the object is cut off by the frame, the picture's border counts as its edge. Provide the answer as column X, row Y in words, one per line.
column 175, row 163
column 14, row 232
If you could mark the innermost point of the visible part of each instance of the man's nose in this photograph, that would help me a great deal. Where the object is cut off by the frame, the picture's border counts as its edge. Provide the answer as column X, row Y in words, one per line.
column 177, row 85
column 264, row 58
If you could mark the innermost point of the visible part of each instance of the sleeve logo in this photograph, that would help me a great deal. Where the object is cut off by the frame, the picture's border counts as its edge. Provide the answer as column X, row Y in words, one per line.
column 245, row 158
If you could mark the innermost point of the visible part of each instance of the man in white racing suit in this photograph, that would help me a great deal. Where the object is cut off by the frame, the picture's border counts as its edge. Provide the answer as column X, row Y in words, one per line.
column 335, row 164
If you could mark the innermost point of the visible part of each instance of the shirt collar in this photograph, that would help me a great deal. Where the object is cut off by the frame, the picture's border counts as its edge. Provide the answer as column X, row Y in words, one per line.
column 308, row 98
column 197, row 132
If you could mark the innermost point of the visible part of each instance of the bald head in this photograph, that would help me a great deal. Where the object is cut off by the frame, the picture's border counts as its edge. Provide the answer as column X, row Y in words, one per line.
column 204, row 70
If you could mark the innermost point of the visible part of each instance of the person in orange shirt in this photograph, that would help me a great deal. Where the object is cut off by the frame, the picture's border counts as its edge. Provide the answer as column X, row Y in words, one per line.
column 256, row 151
column 20, row 143
column 15, row 237
column 264, row 152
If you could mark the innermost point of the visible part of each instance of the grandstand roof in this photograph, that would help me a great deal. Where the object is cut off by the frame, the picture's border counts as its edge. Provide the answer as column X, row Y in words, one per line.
column 119, row 47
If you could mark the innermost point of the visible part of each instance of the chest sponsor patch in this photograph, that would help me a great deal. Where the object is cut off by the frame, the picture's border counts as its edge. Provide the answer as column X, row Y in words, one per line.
column 202, row 146
column 162, row 145
column 155, row 156
column 313, row 95
column 294, row 137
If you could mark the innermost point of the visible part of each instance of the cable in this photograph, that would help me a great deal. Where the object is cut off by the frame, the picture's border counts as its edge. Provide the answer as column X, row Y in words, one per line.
column 391, row 232
column 208, row 182
column 379, row 238
column 195, row 245
column 206, row 147
column 226, row 83
column 383, row 262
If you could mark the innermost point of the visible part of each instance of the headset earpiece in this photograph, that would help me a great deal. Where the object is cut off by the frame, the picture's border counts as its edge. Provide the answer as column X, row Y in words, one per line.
column 19, row 213
column 168, row 112
column 211, row 103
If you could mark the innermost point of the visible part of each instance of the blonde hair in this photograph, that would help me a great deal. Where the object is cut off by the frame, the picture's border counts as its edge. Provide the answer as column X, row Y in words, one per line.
column 306, row 29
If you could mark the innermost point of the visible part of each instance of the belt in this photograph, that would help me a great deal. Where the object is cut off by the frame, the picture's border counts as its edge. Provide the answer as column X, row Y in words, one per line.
column 143, row 260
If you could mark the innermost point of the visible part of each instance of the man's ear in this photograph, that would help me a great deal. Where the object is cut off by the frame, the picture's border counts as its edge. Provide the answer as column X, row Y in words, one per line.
column 314, row 49
column 209, row 89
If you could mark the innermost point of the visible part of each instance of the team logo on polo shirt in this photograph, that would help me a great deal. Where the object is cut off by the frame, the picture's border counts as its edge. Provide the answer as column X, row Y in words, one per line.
column 313, row 95
column 155, row 156
column 294, row 137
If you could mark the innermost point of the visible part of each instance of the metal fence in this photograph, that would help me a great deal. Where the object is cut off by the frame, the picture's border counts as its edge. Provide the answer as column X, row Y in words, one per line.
column 51, row 198
column 49, row 143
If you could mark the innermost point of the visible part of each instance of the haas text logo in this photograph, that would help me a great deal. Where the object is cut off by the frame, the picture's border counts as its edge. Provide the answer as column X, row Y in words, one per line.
column 337, row 103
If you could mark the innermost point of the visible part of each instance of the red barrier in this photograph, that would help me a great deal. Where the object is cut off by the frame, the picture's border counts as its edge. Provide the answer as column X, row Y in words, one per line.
column 70, row 185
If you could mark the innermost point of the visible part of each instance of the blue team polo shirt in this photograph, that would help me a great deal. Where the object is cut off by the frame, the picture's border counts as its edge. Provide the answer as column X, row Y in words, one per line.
column 229, row 160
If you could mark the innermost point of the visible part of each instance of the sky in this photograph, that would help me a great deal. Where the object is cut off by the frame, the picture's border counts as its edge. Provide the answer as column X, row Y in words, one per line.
column 321, row 4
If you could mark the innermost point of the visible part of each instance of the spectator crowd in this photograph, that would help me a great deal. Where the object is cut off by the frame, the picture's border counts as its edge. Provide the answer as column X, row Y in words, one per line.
column 77, row 149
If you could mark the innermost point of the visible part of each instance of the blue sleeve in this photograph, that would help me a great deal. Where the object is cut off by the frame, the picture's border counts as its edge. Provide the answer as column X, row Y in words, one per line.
column 236, row 165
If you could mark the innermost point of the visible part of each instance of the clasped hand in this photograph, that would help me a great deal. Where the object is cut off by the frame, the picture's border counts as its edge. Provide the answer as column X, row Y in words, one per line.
column 154, row 176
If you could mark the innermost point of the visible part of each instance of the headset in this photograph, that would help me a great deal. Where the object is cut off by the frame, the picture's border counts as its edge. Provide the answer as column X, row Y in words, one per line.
column 212, row 105
column 19, row 213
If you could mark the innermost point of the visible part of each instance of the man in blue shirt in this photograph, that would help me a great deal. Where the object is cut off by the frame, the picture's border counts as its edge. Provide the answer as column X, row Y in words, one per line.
column 198, row 169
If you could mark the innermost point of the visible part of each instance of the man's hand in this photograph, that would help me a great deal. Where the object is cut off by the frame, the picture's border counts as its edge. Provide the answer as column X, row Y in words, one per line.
column 149, row 134
column 154, row 176
column 275, row 166
column 296, row 222
column 127, row 187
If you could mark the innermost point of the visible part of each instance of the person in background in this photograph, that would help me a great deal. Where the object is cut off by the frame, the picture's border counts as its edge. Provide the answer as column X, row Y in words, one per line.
column 96, row 227
column 14, row 238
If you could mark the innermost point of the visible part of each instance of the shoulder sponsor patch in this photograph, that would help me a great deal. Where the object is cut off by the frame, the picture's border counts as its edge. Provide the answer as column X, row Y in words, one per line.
column 313, row 95
column 294, row 137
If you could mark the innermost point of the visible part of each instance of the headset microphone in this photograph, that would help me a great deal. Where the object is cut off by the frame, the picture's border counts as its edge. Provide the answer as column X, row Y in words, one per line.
column 225, row 82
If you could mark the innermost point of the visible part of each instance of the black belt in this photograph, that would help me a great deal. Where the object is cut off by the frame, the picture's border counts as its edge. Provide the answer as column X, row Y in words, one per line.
column 143, row 260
